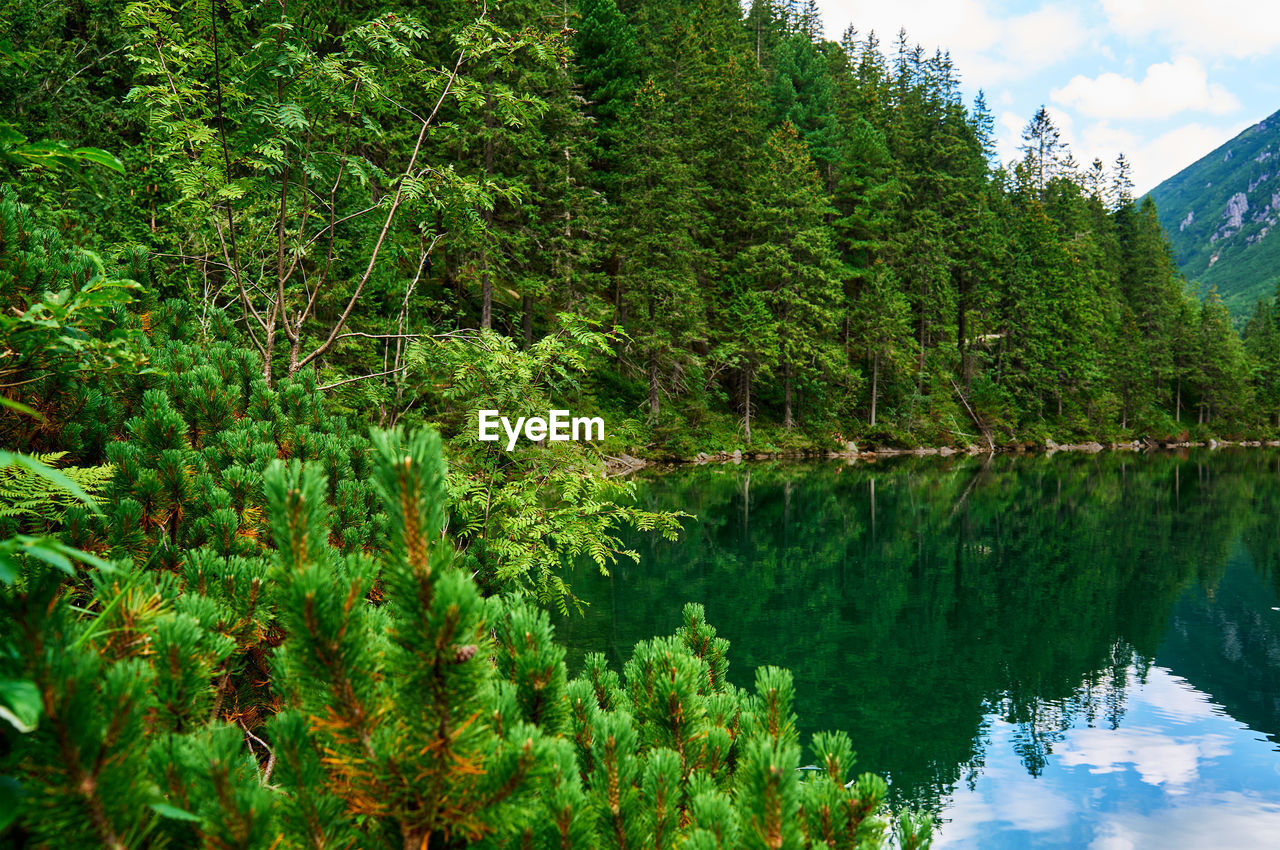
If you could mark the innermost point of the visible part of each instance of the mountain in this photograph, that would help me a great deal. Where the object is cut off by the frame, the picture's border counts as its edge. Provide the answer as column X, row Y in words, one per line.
column 1221, row 214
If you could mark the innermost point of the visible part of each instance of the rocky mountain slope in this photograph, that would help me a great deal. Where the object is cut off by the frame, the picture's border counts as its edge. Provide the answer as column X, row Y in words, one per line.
column 1221, row 214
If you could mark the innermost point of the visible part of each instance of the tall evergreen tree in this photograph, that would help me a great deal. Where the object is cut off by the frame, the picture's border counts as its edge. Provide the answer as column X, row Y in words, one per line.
column 656, row 295
column 793, row 262
column 1043, row 151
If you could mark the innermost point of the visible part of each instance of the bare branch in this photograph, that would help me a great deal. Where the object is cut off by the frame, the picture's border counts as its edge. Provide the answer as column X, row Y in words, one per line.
column 247, row 309
column 391, row 213
column 378, row 336
column 328, row 228
column 86, row 67
column 362, row 378
column 271, row 756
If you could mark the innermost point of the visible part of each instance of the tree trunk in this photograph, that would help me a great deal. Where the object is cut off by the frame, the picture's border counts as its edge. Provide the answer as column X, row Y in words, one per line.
column 527, row 303
column 269, row 345
column 1177, row 409
column 746, row 406
column 486, row 277
column 486, row 298
column 620, row 310
column 787, row 421
column 655, row 400
column 922, row 334
column 875, row 379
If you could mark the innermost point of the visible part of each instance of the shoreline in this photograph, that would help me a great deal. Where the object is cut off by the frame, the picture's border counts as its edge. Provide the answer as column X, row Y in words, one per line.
column 626, row 464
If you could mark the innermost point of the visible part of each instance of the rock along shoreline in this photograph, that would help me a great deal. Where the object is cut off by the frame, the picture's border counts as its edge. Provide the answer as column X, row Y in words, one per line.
column 626, row 464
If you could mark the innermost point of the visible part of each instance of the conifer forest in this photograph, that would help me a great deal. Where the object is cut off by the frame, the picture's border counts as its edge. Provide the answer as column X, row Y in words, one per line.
column 263, row 263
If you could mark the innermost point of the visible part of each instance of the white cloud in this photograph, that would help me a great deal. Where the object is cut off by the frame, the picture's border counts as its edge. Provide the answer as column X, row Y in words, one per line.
column 1043, row 37
column 1235, row 28
column 1105, row 142
column 1153, row 159
column 1009, row 803
column 1219, row 820
column 1159, row 758
column 1009, row 135
column 1023, row 51
column 987, row 48
column 1003, row 800
column 1167, row 89
column 1166, row 155
column 1174, row 699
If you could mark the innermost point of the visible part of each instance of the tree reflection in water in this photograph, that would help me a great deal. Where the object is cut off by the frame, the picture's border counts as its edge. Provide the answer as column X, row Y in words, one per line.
column 922, row 600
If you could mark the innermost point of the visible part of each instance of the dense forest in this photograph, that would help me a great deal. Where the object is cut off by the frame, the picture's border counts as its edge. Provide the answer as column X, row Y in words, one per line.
column 790, row 241
column 262, row 264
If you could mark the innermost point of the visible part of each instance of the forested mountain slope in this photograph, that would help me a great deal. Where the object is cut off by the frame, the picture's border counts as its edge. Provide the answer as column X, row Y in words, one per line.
column 1221, row 213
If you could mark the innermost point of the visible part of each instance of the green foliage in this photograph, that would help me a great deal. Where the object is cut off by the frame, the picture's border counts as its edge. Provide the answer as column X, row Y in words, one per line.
column 408, row 708
column 64, row 309
column 793, row 273
column 1262, row 345
column 523, row 516
column 16, row 150
column 28, row 494
column 404, row 214
column 307, row 168
column 804, row 242
column 33, row 488
column 204, row 428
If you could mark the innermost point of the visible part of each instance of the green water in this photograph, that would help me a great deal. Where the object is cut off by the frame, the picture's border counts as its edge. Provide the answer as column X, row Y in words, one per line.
column 1066, row 651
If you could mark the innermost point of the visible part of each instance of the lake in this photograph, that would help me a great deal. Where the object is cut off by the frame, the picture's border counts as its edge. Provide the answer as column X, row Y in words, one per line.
column 1068, row 651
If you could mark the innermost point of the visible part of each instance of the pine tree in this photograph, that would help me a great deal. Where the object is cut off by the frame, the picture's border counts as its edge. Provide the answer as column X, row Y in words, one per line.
column 1185, row 353
column 64, row 315
column 656, row 293
column 881, row 318
column 408, row 709
column 803, row 96
column 1043, row 150
column 1224, row 391
column 1121, row 183
column 608, row 62
column 1262, row 344
column 1149, row 285
column 793, row 262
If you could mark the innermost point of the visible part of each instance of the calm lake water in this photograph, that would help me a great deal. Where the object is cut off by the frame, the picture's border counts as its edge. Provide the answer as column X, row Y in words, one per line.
column 1072, row 651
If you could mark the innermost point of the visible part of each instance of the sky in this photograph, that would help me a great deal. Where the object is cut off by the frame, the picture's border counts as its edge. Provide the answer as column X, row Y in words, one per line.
column 1164, row 81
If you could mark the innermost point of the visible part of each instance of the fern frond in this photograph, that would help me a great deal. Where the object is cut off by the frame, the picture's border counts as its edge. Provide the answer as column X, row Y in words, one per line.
column 34, row 498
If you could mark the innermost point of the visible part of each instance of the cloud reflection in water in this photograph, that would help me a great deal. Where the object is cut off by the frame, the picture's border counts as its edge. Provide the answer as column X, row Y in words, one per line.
column 1178, row 772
